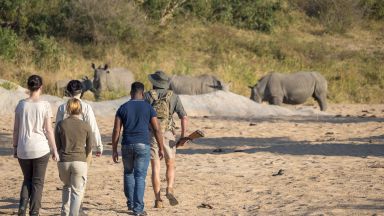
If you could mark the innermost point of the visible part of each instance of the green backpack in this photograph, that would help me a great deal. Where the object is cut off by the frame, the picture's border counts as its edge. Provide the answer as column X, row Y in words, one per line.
column 161, row 106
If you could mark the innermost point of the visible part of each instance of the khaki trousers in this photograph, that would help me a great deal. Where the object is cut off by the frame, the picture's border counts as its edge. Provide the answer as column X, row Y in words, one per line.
column 74, row 176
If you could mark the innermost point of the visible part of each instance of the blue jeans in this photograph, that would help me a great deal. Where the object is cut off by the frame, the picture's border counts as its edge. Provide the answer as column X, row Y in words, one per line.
column 136, row 160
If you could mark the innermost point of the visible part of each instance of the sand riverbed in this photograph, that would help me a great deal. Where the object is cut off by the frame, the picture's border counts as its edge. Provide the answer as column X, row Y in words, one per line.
column 331, row 165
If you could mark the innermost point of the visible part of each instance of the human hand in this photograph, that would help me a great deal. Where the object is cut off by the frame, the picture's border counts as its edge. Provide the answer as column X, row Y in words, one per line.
column 161, row 154
column 182, row 141
column 115, row 156
column 55, row 156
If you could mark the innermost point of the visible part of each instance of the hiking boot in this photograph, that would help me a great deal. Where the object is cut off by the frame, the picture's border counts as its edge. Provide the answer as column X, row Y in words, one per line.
column 158, row 204
column 171, row 197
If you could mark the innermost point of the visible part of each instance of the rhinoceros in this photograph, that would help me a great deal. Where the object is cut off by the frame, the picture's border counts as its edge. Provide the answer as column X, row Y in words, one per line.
column 111, row 79
column 296, row 88
column 190, row 85
column 61, row 86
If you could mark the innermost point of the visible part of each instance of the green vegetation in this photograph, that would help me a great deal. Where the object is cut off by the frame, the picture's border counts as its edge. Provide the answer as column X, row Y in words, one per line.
column 8, row 85
column 237, row 40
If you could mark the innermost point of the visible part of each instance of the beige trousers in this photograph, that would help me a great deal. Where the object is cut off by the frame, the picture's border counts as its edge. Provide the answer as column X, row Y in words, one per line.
column 74, row 176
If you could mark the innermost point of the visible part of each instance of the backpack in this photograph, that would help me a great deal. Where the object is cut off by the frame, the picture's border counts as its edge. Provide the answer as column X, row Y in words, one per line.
column 161, row 106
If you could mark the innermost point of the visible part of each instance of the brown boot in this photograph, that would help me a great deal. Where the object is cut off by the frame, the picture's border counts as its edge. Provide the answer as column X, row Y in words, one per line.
column 159, row 204
column 171, row 197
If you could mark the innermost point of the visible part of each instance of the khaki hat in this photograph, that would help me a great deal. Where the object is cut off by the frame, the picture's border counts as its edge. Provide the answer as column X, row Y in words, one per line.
column 159, row 79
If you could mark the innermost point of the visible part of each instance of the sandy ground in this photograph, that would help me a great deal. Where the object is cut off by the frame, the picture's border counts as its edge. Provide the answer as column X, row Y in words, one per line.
column 330, row 165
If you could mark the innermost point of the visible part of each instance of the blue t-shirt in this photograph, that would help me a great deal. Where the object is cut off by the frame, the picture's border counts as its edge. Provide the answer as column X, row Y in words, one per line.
column 136, row 116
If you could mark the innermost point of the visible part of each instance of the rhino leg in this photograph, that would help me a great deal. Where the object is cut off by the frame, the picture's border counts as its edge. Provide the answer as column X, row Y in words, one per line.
column 322, row 100
column 97, row 95
column 276, row 101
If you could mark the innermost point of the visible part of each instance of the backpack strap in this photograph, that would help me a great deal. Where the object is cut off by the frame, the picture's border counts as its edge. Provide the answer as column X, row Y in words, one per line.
column 154, row 95
column 168, row 96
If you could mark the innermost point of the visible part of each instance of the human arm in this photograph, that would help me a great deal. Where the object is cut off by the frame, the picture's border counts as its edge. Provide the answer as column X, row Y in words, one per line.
column 184, row 126
column 51, row 138
column 115, row 138
column 179, row 109
column 158, row 136
column 57, row 136
column 91, row 119
column 15, row 135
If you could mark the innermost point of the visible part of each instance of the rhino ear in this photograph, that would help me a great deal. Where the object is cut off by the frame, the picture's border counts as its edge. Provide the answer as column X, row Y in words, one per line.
column 105, row 66
column 93, row 66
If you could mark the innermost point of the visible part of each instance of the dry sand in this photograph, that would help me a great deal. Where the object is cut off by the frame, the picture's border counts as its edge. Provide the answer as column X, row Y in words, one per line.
column 331, row 165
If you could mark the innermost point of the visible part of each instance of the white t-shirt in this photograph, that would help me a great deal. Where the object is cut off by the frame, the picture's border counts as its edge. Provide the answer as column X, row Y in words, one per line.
column 32, row 140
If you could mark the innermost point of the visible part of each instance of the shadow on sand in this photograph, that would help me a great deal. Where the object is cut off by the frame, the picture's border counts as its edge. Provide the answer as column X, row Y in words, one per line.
column 282, row 145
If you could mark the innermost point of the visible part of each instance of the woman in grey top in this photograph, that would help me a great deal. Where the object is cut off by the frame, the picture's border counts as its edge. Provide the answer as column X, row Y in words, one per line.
column 32, row 135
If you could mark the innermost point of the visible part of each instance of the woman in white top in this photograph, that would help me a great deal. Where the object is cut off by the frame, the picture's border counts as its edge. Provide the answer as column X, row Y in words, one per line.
column 32, row 139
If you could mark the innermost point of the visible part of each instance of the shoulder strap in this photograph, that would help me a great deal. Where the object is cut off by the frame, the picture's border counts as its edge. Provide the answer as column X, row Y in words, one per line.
column 168, row 95
column 154, row 95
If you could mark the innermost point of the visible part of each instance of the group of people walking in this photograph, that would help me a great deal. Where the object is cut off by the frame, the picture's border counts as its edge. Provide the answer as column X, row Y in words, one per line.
column 148, row 135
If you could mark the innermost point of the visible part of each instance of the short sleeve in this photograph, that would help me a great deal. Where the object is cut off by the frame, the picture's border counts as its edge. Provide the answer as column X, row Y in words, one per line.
column 179, row 109
column 119, row 113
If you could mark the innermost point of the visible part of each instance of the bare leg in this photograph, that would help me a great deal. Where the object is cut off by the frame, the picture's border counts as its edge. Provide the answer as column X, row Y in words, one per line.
column 170, row 181
column 155, row 164
column 170, row 172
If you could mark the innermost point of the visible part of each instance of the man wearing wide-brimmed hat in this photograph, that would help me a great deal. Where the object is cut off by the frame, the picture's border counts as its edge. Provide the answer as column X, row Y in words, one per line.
column 165, row 102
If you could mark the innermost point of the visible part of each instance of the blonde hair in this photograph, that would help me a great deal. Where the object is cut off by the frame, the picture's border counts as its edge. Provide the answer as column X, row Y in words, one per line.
column 74, row 106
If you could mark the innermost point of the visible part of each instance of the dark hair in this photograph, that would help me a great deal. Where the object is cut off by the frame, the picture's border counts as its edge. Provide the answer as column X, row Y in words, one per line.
column 137, row 87
column 74, row 87
column 34, row 82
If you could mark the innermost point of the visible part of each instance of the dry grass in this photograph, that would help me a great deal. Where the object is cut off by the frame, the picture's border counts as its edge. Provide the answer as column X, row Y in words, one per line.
column 351, row 62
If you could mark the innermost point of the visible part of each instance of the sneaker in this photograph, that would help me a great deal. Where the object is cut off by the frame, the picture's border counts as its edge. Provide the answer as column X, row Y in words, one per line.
column 159, row 204
column 171, row 197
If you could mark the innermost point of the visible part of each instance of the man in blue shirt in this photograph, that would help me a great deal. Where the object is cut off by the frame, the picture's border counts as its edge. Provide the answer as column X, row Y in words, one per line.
column 135, row 116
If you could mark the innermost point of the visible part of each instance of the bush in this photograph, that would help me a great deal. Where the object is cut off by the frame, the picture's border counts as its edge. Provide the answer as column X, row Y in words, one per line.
column 47, row 53
column 8, row 43
column 373, row 9
column 336, row 16
column 247, row 14
column 103, row 21
column 8, row 86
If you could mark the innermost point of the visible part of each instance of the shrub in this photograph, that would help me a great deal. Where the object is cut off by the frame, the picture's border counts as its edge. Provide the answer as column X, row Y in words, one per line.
column 47, row 53
column 103, row 21
column 8, row 43
column 8, row 85
column 247, row 14
column 336, row 16
column 373, row 9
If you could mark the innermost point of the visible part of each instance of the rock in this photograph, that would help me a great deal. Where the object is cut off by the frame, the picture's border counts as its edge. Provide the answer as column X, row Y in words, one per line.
column 205, row 205
column 280, row 172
